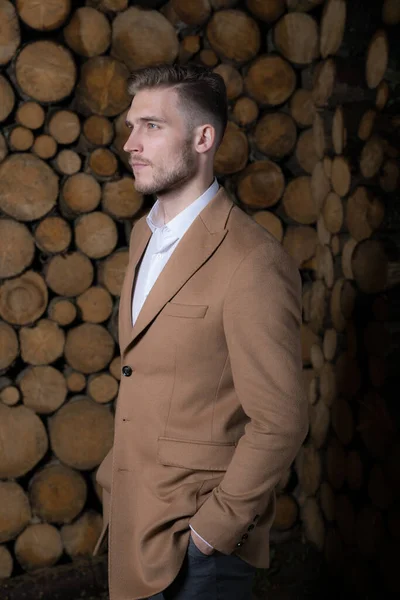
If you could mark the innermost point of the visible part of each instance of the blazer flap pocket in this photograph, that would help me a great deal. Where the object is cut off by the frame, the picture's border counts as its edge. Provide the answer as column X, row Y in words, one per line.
column 185, row 310
column 202, row 456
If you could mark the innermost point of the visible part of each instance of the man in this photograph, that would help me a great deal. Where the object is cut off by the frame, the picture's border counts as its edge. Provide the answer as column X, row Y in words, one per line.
column 211, row 409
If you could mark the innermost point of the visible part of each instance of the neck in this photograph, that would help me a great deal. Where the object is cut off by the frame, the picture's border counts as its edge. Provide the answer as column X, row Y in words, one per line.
column 176, row 200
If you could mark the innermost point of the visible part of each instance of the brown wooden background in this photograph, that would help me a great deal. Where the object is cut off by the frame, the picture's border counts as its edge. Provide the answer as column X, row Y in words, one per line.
column 311, row 152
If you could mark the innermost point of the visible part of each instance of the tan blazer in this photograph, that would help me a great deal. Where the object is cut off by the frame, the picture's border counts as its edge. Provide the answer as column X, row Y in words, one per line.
column 211, row 409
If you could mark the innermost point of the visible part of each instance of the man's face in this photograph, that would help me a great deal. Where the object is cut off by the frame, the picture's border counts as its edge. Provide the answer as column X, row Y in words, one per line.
column 160, row 144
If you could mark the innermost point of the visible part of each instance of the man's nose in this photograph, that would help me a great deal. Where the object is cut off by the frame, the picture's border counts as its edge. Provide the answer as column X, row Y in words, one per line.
column 133, row 143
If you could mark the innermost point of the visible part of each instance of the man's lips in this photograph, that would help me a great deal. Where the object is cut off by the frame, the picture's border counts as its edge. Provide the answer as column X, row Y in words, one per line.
column 138, row 165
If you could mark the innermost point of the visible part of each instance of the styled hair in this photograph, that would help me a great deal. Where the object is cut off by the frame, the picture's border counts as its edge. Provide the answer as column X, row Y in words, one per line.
column 201, row 93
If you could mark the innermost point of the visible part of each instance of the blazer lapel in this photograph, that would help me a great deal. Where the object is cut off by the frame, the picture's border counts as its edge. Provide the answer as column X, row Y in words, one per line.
column 198, row 243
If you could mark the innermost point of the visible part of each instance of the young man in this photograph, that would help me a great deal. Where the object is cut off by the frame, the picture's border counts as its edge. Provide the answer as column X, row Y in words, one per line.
column 211, row 409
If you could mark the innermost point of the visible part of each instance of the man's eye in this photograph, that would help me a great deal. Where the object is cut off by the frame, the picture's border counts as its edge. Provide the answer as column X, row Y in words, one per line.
column 151, row 125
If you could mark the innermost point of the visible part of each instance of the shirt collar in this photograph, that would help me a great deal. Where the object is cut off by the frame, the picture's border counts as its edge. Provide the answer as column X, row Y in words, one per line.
column 179, row 224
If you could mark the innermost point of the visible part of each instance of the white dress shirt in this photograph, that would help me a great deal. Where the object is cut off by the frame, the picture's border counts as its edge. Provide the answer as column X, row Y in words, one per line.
column 163, row 242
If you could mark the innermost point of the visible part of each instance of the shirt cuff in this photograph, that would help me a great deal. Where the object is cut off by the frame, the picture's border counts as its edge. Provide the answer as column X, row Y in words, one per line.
column 201, row 537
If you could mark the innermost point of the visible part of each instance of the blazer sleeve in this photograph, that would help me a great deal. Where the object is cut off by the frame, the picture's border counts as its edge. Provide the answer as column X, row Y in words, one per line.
column 262, row 319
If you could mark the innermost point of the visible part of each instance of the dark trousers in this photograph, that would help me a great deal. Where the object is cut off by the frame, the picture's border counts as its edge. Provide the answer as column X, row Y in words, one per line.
column 214, row 577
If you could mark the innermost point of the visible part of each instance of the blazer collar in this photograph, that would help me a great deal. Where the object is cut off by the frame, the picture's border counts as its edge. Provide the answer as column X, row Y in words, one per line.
column 202, row 238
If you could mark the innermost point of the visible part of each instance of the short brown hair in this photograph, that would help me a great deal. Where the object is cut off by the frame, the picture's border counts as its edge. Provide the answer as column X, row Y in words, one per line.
column 202, row 93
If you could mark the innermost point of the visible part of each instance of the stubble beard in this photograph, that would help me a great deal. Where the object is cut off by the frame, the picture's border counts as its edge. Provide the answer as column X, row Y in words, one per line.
column 166, row 179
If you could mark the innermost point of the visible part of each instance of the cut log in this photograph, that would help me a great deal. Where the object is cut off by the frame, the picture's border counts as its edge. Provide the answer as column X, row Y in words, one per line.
column 9, row 346
column 7, row 98
column 208, row 57
column 320, row 143
column 67, row 162
column 23, row 299
column 53, row 235
column 6, row 563
column 43, row 16
column 245, row 111
column 98, row 130
column 391, row 12
column 20, row 139
column 45, row 146
column 88, row 32
column 332, row 211
column 327, row 384
column 112, row 271
column 364, row 214
column 232, row 78
column 69, row 275
column 57, row 493
column 76, row 382
column 369, row 264
column 296, row 37
column 324, row 236
column 10, row 395
column 382, row 95
column 103, row 163
column 377, row 59
column 266, row 11
column 64, row 126
column 319, row 424
column 275, row 135
column 320, row 186
column 41, row 344
column 286, row 512
column 95, row 304
column 234, row 35
column 120, row 198
column 338, row 131
column 330, row 343
column 62, row 311
column 38, row 546
column 333, row 23
column 89, row 348
column 10, row 36
column 102, row 388
column 96, row 234
column 192, row 12
column 318, row 307
column 15, row 511
column 17, row 248
column 30, row 114
column 92, row 96
column 302, row 107
column 24, row 441
column 366, row 124
column 354, row 470
column 81, row 433
column 80, row 537
column 115, row 368
column 108, row 5
column 270, row 222
column 141, row 38
column 261, row 184
column 43, row 388
column 232, row 154
column 341, row 175
column 309, row 469
column 372, row 156
column 270, row 80
column 324, row 78
column 81, row 193
column 189, row 46
column 324, row 265
column 305, row 153
column 28, row 187
column 308, row 338
column 297, row 201
column 313, row 522
column 45, row 71
column 300, row 242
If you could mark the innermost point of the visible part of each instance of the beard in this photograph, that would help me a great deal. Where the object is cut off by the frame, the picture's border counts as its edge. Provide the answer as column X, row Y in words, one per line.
column 166, row 178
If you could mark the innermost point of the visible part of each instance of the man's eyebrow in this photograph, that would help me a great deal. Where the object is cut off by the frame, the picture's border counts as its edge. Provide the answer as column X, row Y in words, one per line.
column 147, row 119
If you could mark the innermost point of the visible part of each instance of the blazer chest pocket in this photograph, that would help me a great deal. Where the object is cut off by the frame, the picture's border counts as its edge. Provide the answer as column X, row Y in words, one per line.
column 190, row 311
column 197, row 456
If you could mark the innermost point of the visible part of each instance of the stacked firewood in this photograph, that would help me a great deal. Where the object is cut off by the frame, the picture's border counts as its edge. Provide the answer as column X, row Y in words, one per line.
column 307, row 142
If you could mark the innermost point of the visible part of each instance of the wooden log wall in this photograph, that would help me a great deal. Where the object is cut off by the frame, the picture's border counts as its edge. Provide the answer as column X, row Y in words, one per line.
column 309, row 153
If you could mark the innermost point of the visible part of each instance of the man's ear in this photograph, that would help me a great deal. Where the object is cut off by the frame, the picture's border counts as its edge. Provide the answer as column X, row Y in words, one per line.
column 204, row 138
